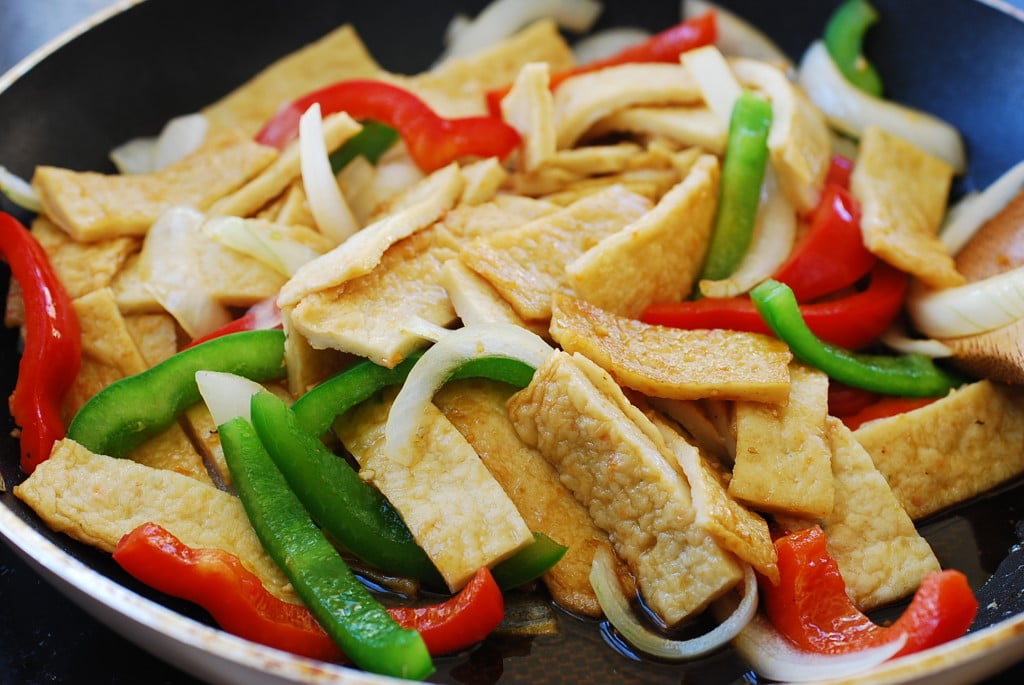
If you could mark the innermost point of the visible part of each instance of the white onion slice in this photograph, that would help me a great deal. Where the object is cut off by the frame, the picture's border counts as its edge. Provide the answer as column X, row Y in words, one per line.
column 968, row 309
column 718, row 85
column 134, row 156
column 169, row 267
column 227, row 395
column 606, row 43
column 260, row 240
column 327, row 204
column 774, row 233
column 737, row 37
column 896, row 338
column 438, row 363
column 615, row 606
column 180, row 137
column 19, row 191
column 851, row 110
column 502, row 18
column 772, row 656
column 965, row 218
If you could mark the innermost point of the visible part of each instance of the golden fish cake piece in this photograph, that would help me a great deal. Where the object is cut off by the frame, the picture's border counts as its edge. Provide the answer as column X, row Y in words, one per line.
column 484, row 178
column 477, row 409
column 155, row 335
column 336, row 56
column 459, row 533
column 903, row 193
column 950, row 450
column 92, row 206
column 583, row 100
column 476, row 301
column 674, row 363
column 82, row 267
column 503, row 212
column 97, row 500
column 529, row 109
column 880, row 554
column 275, row 178
column 421, row 207
column 130, row 291
column 657, row 257
column 649, row 183
column 735, row 527
column 527, row 264
column 693, row 125
column 615, row 462
column 365, row 316
column 783, row 458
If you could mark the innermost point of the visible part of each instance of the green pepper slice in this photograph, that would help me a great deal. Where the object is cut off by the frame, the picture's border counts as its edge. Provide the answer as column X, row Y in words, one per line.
column 372, row 141
column 359, row 624
column 911, row 375
column 127, row 412
column 844, row 40
column 743, row 170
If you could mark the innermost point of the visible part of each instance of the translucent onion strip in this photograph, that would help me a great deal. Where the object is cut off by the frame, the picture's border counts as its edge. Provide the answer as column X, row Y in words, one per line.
column 615, row 606
column 327, row 204
column 968, row 309
column 774, row 233
column 436, row 366
column 896, row 338
column 180, row 137
column 260, row 240
column 502, row 18
column 227, row 395
column 718, row 85
column 851, row 110
column 773, row 657
column 19, row 191
column 607, row 43
column 737, row 37
column 965, row 218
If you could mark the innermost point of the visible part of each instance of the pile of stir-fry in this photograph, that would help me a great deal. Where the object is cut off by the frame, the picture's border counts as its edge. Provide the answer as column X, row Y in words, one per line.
column 673, row 325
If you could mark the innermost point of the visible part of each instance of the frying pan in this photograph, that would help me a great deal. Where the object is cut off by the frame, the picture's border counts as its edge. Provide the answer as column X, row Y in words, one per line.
column 959, row 59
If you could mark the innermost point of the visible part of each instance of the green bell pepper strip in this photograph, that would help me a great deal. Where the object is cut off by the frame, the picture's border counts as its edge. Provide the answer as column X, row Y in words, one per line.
column 317, row 409
column 127, row 412
column 911, row 375
column 746, row 158
column 844, row 41
column 354, row 619
column 372, row 141
column 529, row 563
column 349, row 509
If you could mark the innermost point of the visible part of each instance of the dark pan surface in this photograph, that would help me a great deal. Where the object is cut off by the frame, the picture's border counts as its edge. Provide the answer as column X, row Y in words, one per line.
column 956, row 58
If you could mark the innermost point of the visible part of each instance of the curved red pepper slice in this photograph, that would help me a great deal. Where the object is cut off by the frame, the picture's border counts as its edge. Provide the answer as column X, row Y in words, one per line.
column 53, row 344
column 665, row 46
column 238, row 601
column 811, row 608
column 831, row 256
column 851, row 322
column 884, row 407
column 262, row 315
column 432, row 140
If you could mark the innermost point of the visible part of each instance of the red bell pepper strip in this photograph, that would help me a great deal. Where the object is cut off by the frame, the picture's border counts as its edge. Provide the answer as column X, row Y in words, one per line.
column 53, row 344
column 846, row 400
column 840, row 169
column 831, row 255
column 238, row 601
column 810, row 607
column 884, row 408
column 433, row 140
column 260, row 316
column 851, row 322
column 665, row 46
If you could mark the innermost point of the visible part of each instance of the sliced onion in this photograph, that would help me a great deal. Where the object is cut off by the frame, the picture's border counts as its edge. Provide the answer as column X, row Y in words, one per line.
column 737, row 37
column 851, row 110
column 968, row 309
column 180, row 137
column 774, row 657
column 134, row 156
column 327, row 204
column 438, row 363
column 774, row 233
column 227, row 395
column 169, row 267
column 421, row 328
column 607, row 43
column 965, row 218
column 19, row 191
column 615, row 606
column 718, row 85
column 502, row 18
column 261, row 240
column 896, row 338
